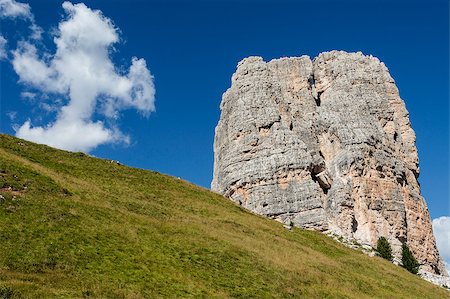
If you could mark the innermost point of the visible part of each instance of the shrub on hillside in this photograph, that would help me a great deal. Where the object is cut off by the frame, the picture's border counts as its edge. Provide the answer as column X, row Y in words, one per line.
column 384, row 248
column 409, row 262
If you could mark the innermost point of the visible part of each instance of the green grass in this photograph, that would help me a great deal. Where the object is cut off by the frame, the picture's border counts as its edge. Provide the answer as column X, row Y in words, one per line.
column 72, row 226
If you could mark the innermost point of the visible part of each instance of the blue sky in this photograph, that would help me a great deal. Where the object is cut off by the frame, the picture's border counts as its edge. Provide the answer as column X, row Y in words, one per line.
column 192, row 48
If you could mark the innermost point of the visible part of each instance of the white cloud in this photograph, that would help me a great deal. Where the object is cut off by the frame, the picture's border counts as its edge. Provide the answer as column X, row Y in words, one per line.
column 2, row 47
column 13, row 9
column 441, row 229
column 28, row 95
column 74, row 135
column 447, row 266
column 82, row 71
column 31, row 69
column 36, row 31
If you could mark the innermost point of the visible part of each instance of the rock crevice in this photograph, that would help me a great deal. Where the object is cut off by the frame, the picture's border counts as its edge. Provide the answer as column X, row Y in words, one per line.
column 325, row 144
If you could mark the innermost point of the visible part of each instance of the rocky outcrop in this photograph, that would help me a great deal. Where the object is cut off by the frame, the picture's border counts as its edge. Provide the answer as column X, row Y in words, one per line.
column 324, row 144
column 442, row 281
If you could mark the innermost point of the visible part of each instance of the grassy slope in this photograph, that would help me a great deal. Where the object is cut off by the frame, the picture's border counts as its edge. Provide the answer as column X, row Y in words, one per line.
column 74, row 226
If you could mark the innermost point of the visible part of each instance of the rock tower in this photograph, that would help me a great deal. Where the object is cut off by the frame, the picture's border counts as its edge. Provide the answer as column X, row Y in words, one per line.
column 325, row 144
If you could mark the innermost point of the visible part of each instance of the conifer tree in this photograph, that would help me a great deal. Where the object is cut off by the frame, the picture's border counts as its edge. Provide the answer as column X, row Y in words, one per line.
column 409, row 262
column 384, row 248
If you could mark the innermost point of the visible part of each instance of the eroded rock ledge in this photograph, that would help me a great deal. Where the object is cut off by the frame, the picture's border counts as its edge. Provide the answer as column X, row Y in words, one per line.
column 325, row 144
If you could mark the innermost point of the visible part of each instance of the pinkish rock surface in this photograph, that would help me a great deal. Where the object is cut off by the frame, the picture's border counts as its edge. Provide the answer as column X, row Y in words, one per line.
column 325, row 144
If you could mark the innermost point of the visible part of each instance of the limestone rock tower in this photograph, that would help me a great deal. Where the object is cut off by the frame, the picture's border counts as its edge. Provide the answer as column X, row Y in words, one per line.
column 325, row 144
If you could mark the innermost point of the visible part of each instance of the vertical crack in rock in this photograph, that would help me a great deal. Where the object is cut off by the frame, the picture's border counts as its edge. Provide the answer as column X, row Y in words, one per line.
column 312, row 87
column 327, row 144
column 354, row 224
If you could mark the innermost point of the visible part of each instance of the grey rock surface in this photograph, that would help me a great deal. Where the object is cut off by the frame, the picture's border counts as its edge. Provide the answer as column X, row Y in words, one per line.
column 442, row 281
column 324, row 144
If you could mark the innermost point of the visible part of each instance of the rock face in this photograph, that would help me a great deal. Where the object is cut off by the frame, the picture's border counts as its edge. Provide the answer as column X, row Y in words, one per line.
column 324, row 144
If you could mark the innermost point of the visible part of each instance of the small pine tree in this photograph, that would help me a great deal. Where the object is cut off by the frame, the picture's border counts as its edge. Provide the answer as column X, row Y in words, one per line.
column 384, row 248
column 409, row 262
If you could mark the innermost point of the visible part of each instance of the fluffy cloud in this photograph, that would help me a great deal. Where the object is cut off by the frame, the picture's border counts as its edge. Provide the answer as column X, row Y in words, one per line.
column 31, row 69
column 2, row 48
column 75, row 135
column 13, row 9
column 81, row 70
column 441, row 229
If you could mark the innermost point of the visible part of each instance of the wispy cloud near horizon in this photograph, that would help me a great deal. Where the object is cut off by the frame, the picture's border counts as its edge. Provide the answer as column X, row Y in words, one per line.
column 441, row 229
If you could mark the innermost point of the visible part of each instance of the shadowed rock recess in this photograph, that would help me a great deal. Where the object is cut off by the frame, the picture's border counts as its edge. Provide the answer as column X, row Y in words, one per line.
column 325, row 144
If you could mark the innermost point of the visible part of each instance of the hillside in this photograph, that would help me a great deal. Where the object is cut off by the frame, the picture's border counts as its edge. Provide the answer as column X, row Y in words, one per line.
column 73, row 226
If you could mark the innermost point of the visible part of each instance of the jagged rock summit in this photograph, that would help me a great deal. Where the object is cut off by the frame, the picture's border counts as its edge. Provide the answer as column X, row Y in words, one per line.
column 324, row 144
